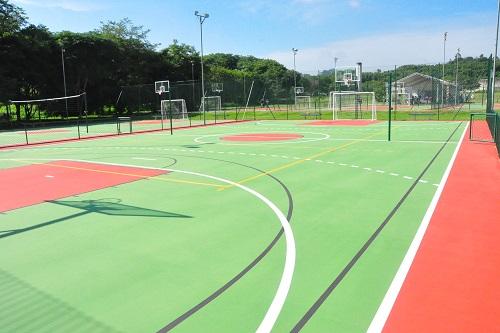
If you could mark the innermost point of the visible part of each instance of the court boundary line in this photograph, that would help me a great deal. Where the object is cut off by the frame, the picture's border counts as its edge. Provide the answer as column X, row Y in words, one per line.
column 380, row 318
column 347, row 268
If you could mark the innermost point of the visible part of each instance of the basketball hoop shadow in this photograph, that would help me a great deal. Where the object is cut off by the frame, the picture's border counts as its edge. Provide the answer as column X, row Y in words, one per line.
column 111, row 207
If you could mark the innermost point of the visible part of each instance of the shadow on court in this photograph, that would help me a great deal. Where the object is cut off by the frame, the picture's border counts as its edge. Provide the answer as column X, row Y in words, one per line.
column 111, row 207
column 25, row 308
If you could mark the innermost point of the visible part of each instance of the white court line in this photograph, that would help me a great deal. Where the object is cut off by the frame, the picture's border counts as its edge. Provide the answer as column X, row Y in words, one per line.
column 286, row 278
column 144, row 159
column 385, row 307
column 385, row 140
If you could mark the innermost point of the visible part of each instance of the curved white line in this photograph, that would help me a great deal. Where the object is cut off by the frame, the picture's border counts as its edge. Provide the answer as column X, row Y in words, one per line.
column 303, row 140
column 286, row 278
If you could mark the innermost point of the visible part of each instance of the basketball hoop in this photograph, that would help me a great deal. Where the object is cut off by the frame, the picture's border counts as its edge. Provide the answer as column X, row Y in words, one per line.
column 162, row 87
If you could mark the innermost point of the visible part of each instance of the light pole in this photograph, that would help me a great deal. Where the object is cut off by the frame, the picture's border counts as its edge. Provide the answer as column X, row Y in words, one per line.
column 202, row 18
column 495, row 60
column 442, row 77
column 456, row 78
column 294, row 50
column 64, row 80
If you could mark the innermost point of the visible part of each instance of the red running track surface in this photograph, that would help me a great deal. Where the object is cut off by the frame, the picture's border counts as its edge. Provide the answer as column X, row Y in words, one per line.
column 454, row 282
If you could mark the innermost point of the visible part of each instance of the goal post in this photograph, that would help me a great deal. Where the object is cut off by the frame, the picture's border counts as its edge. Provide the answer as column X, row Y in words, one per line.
column 176, row 107
column 303, row 102
column 352, row 104
column 212, row 103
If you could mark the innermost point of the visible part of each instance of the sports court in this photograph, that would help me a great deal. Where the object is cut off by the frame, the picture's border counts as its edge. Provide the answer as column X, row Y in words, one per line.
column 296, row 225
column 262, row 166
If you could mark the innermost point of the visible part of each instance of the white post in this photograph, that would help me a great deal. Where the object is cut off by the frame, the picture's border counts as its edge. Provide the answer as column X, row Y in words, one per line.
column 456, row 78
column 202, row 18
column 444, row 61
column 333, row 106
column 294, row 50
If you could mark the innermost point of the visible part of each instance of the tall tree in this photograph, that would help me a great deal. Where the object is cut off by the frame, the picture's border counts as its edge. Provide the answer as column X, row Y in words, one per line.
column 125, row 30
column 12, row 18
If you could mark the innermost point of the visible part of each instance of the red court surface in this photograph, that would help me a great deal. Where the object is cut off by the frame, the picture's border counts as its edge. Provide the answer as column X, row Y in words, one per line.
column 262, row 137
column 341, row 123
column 36, row 183
column 453, row 284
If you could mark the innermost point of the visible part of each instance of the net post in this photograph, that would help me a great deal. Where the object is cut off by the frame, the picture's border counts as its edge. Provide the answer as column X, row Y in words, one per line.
column 26, row 134
column 390, row 108
column 470, row 127
column 78, row 127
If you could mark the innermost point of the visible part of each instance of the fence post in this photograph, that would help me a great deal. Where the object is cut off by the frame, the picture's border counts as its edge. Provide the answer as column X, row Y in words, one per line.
column 26, row 134
column 390, row 108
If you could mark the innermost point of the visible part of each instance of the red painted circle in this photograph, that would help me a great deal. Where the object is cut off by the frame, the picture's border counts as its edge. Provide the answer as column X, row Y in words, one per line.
column 262, row 137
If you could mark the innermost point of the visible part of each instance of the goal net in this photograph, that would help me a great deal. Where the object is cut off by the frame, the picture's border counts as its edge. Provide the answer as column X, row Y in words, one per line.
column 353, row 105
column 59, row 107
column 212, row 104
column 303, row 102
column 175, row 107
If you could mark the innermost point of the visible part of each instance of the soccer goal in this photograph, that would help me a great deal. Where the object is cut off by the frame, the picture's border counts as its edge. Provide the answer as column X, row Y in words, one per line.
column 303, row 102
column 212, row 104
column 176, row 107
column 353, row 105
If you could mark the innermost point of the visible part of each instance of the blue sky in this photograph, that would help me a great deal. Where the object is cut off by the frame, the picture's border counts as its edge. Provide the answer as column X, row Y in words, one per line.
column 381, row 34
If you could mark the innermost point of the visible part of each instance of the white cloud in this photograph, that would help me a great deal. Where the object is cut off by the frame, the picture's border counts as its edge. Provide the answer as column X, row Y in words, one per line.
column 71, row 5
column 386, row 50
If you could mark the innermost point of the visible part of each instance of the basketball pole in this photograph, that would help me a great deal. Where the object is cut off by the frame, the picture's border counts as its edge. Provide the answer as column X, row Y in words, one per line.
column 294, row 50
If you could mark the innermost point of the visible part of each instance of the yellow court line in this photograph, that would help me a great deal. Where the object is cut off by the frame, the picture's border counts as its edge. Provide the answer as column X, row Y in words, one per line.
column 291, row 164
column 156, row 178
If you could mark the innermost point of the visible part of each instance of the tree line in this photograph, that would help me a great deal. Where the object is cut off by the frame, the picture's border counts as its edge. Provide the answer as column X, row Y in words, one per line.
column 118, row 53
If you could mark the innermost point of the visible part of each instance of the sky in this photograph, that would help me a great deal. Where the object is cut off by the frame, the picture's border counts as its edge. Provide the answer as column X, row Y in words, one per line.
column 378, row 33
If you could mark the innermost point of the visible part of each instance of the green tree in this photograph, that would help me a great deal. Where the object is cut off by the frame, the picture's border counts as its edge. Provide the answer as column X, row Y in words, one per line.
column 125, row 30
column 12, row 18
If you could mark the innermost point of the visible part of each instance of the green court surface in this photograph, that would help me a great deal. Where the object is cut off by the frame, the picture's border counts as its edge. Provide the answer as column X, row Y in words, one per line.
column 137, row 256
